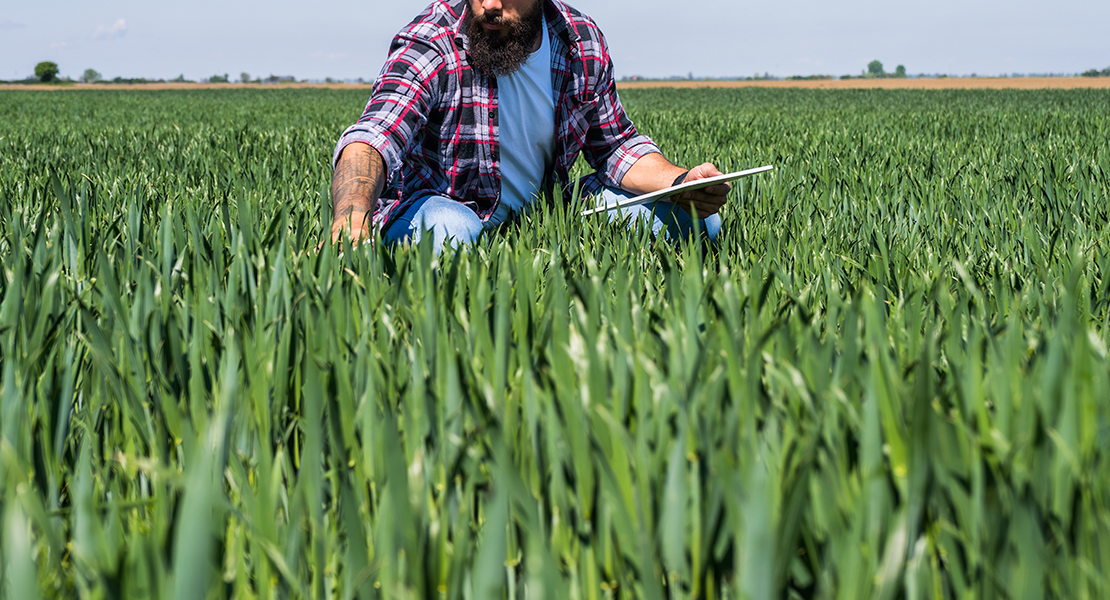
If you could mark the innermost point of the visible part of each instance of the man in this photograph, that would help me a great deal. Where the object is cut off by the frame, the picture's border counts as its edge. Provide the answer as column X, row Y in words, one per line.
column 481, row 106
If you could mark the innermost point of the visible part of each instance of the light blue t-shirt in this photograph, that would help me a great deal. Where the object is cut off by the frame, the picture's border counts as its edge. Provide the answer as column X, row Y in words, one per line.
column 526, row 124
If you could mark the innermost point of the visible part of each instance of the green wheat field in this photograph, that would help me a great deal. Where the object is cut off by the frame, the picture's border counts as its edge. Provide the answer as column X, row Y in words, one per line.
column 888, row 379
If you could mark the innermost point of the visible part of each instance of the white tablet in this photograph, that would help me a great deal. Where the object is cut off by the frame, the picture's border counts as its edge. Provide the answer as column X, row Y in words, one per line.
column 678, row 189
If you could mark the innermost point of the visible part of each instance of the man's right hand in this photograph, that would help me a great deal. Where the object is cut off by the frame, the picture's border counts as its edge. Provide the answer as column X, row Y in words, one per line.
column 355, row 187
column 356, row 226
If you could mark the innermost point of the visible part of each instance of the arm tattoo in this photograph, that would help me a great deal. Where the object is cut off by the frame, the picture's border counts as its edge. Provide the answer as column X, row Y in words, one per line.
column 357, row 182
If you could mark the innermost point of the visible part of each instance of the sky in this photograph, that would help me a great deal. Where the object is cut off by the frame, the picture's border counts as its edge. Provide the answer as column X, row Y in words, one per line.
column 345, row 39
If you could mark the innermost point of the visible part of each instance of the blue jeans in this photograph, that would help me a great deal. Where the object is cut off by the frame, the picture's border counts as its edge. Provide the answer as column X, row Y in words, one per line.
column 679, row 224
column 450, row 222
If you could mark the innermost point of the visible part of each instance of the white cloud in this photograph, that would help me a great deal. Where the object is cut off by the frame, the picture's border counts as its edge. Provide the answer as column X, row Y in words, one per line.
column 111, row 32
column 9, row 24
column 57, row 45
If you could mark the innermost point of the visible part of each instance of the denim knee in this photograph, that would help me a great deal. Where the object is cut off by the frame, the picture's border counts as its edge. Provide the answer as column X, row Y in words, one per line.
column 447, row 220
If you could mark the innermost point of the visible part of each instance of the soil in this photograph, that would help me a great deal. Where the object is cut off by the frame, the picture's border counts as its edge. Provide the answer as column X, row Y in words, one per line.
column 946, row 83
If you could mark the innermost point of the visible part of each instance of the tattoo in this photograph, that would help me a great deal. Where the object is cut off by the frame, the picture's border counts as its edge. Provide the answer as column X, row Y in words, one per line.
column 358, row 181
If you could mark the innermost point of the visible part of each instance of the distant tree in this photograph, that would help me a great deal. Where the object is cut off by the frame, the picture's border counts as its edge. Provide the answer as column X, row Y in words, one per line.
column 218, row 78
column 90, row 76
column 900, row 72
column 179, row 79
column 244, row 77
column 875, row 68
column 1091, row 73
column 1106, row 72
column 46, row 71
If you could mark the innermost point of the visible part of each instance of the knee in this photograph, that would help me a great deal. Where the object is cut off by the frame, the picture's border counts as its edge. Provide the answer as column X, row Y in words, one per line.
column 451, row 223
column 447, row 221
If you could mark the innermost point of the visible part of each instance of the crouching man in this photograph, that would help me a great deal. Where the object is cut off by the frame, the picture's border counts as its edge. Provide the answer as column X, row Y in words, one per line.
column 481, row 107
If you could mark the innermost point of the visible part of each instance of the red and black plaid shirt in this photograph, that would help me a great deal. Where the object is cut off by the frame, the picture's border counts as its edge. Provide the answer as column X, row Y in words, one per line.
column 433, row 118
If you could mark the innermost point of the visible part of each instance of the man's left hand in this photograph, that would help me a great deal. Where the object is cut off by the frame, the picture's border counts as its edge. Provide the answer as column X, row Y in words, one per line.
column 706, row 201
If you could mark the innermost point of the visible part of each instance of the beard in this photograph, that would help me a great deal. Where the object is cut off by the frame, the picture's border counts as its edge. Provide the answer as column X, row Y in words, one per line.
column 499, row 53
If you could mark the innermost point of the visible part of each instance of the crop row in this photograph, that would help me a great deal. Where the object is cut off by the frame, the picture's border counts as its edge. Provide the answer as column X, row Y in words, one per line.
column 888, row 378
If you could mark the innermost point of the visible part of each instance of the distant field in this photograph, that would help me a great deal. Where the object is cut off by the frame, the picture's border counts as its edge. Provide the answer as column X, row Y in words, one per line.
column 888, row 379
column 947, row 83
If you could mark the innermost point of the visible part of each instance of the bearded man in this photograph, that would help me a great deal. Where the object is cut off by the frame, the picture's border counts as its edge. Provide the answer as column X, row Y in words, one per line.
column 482, row 106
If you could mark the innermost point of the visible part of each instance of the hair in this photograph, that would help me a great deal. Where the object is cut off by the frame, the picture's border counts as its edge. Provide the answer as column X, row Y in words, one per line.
column 498, row 53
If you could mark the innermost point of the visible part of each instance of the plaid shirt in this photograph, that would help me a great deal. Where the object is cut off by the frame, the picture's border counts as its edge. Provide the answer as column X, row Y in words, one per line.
column 433, row 118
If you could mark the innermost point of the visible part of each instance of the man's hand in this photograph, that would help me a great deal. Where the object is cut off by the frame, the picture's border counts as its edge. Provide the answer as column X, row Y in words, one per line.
column 356, row 226
column 358, row 181
column 706, row 201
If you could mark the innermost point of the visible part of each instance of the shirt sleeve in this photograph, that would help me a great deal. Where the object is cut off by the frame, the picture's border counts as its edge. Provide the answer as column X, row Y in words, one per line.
column 612, row 143
column 401, row 98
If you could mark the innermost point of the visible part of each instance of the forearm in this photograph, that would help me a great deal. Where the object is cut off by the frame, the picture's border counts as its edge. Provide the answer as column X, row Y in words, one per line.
column 357, row 182
column 650, row 174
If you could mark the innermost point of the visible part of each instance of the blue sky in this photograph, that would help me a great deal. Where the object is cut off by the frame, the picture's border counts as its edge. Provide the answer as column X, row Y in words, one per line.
column 712, row 38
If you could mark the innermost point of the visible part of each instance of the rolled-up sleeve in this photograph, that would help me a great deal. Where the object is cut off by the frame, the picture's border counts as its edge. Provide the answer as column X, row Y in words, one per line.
column 400, row 101
column 612, row 143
